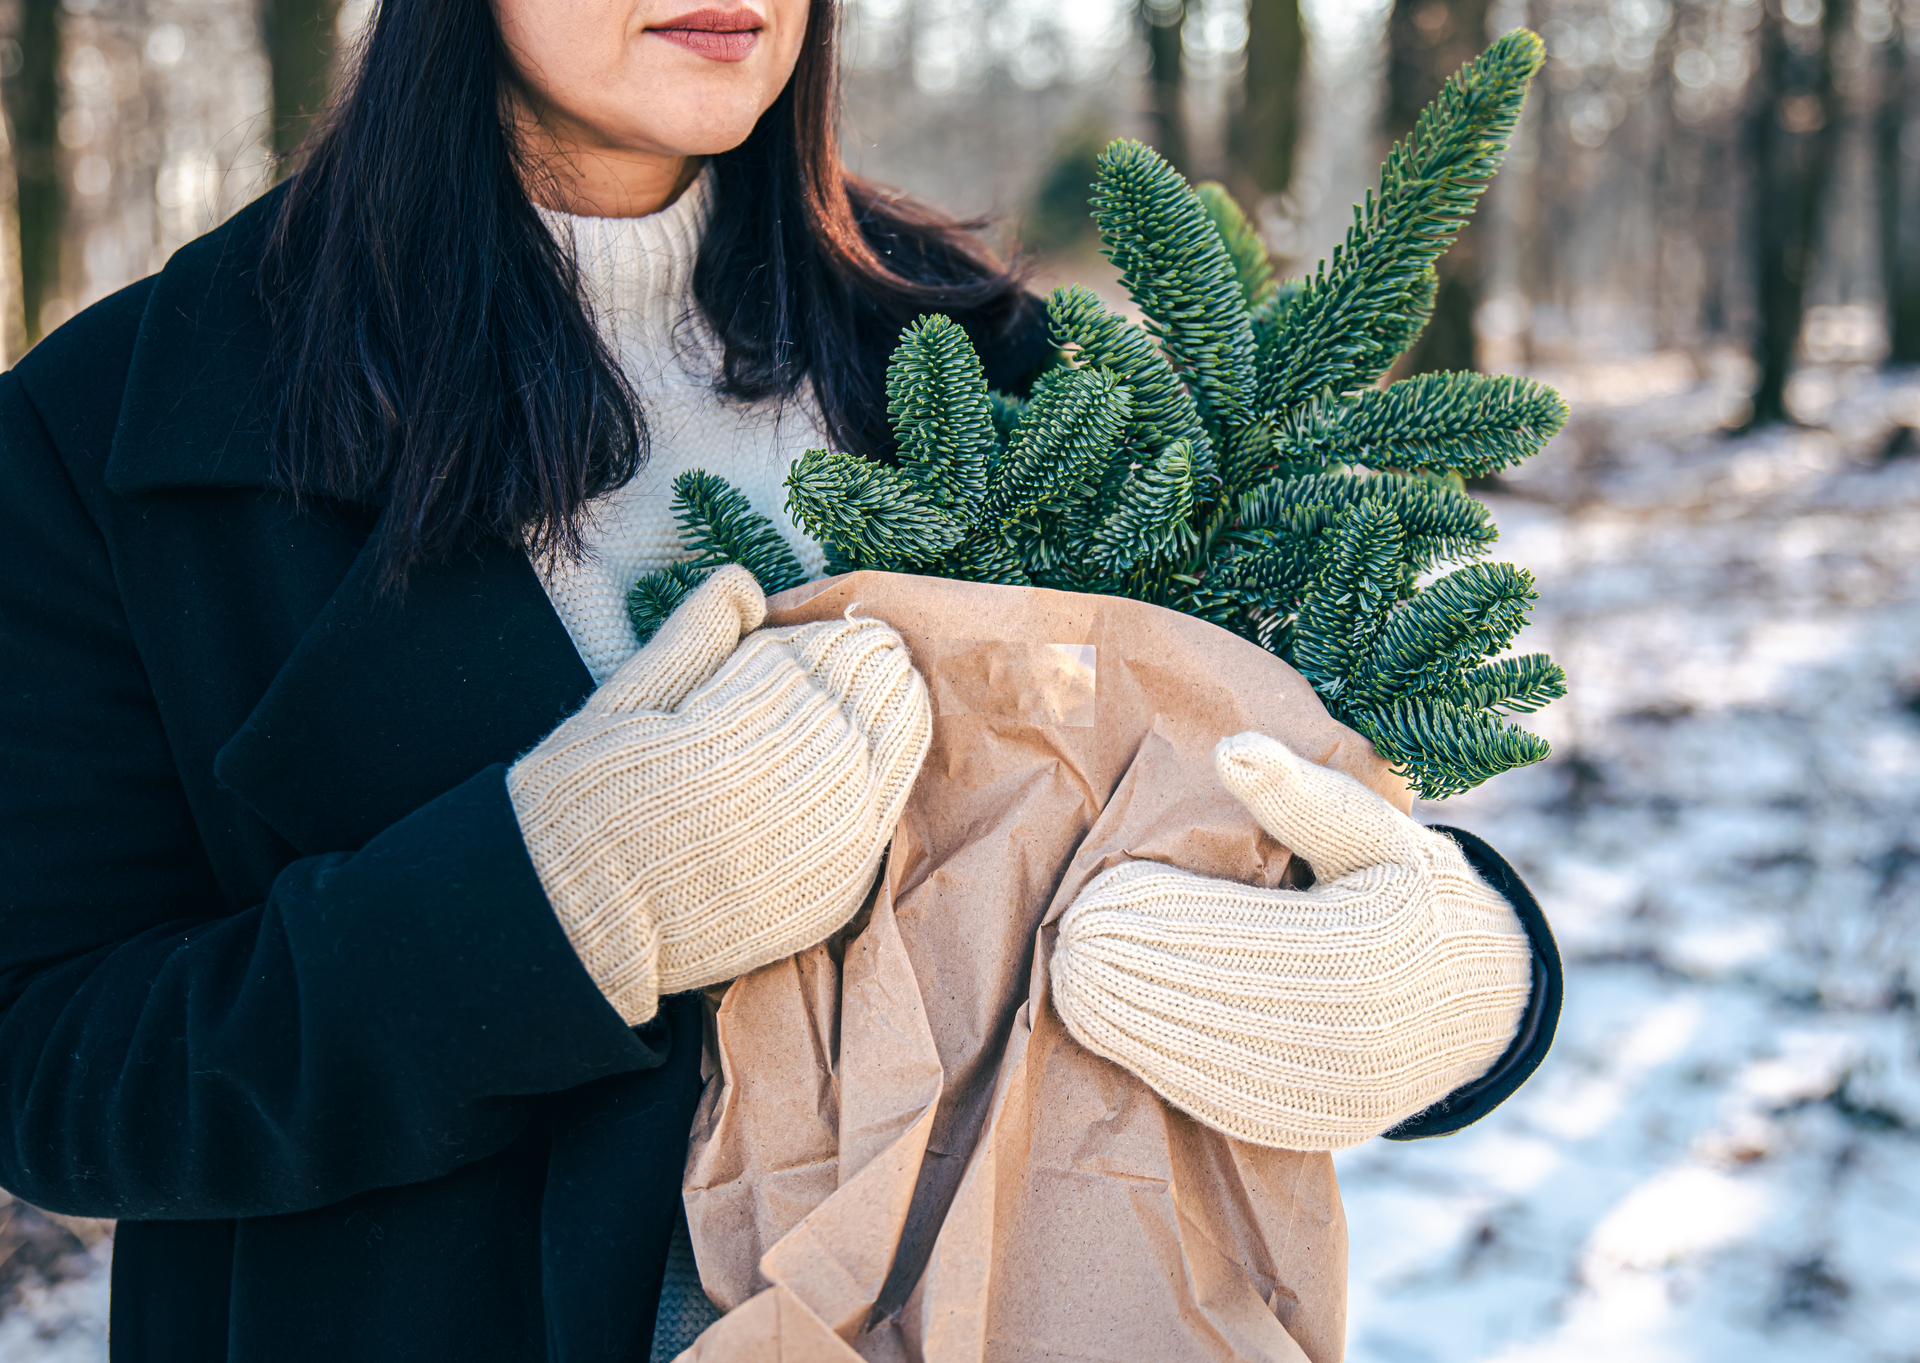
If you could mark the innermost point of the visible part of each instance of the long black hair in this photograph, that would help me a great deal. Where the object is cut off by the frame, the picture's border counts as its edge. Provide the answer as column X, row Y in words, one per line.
column 430, row 347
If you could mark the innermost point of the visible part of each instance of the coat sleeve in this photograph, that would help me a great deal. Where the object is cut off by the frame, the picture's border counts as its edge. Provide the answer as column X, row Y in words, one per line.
column 381, row 1019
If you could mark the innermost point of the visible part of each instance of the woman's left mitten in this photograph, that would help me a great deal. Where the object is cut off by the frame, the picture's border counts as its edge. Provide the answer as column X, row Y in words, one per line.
column 1304, row 1019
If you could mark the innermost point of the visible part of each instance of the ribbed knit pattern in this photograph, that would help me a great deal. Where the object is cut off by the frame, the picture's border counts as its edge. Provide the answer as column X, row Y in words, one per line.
column 722, row 803
column 636, row 277
column 1304, row 1019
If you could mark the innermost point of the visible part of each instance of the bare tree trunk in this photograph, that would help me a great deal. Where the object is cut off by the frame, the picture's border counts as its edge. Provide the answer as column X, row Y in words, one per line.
column 1427, row 41
column 1896, row 152
column 1265, row 128
column 1547, row 204
column 13, row 317
column 30, row 92
column 163, row 128
column 1792, row 135
column 1668, row 184
column 299, row 42
column 1164, row 24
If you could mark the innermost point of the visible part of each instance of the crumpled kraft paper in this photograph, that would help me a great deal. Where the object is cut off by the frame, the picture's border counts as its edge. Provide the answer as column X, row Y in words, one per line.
column 901, row 1154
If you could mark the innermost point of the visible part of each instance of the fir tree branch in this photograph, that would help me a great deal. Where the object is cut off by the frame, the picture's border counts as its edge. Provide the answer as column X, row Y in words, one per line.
column 1173, row 264
column 1451, row 624
column 658, row 594
column 1252, row 270
column 1436, row 523
column 1249, row 455
column 1472, row 424
column 1358, row 579
column 1149, row 523
column 984, row 557
column 719, row 525
column 1443, row 750
column 1163, row 411
column 1268, row 572
column 1269, row 316
column 1364, row 306
column 870, row 515
column 1517, row 685
column 1071, row 428
column 1215, row 460
column 938, row 405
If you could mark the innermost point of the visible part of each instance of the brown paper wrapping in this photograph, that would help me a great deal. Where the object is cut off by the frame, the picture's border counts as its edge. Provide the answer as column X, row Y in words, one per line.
column 901, row 1154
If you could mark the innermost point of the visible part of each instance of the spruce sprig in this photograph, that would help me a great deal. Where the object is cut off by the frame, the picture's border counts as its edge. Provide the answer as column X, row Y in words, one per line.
column 720, row 526
column 1361, row 309
column 1471, row 424
column 1228, row 456
column 1173, row 261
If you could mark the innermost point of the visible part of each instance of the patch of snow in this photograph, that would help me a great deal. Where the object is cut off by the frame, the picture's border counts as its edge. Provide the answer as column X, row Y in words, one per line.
column 1721, row 1157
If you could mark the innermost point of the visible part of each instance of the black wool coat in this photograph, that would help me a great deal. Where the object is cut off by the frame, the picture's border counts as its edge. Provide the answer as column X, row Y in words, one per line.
column 279, row 988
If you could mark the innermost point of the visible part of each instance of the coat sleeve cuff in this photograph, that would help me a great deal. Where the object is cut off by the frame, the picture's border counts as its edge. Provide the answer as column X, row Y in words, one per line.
column 475, row 969
column 1470, row 1102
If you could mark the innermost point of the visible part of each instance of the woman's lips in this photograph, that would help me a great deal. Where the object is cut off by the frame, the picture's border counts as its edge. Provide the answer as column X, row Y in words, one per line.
column 722, row 35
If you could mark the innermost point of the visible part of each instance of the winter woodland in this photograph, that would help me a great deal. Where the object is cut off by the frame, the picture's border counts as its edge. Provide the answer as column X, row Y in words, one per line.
column 1708, row 237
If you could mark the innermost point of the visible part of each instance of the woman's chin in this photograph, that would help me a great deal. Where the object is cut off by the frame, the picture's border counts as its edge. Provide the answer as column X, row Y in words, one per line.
column 707, row 137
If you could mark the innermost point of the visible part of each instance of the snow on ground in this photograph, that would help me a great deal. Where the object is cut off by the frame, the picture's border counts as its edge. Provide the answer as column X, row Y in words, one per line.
column 53, row 1286
column 1721, row 1158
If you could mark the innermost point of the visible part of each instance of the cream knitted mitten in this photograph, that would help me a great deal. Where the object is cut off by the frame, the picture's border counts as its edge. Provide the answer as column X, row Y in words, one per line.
column 721, row 803
column 1305, row 1019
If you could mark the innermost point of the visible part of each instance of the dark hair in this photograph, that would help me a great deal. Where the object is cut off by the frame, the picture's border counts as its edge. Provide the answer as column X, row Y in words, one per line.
column 430, row 346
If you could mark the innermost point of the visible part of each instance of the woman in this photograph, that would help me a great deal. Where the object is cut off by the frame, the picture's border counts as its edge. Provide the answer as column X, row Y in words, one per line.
column 366, row 1030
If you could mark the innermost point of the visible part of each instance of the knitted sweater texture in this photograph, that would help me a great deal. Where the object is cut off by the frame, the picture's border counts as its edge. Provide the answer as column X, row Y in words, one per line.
column 636, row 276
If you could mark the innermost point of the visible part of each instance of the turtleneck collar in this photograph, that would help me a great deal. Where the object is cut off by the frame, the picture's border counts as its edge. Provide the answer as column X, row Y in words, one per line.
column 636, row 274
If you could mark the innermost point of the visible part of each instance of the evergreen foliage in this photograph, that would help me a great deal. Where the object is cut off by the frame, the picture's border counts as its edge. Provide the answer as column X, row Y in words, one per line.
column 657, row 595
column 719, row 525
column 1232, row 457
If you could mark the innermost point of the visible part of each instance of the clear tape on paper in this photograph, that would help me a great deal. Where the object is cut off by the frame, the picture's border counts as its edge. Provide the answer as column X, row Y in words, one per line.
column 1045, row 685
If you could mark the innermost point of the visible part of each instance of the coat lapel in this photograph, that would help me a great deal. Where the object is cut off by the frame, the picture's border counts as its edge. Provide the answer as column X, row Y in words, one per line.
column 389, row 701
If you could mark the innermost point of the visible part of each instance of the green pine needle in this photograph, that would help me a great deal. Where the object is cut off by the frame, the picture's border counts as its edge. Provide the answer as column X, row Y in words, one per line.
column 1363, row 307
column 1073, row 424
column 1473, row 424
column 1163, row 411
column 985, row 557
column 871, row 516
column 1437, row 523
column 1359, row 578
column 719, row 525
column 1269, row 316
column 657, row 595
column 1227, row 457
column 1452, row 624
column 1150, row 521
column 1173, row 263
column 937, row 401
column 1251, row 267
column 1443, row 750
column 1265, row 572
column 1517, row 685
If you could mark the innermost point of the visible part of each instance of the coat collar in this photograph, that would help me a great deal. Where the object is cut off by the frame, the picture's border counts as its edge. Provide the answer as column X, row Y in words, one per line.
column 194, row 413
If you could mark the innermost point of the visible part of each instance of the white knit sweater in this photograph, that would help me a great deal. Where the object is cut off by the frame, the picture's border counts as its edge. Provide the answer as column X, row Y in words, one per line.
column 637, row 275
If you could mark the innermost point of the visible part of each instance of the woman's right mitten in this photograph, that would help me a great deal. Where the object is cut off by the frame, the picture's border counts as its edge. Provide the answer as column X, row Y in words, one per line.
column 690, row 827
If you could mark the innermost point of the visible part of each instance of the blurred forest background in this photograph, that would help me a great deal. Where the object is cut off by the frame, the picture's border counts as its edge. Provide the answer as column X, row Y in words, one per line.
column 1693, row 175
column 1708, row 235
